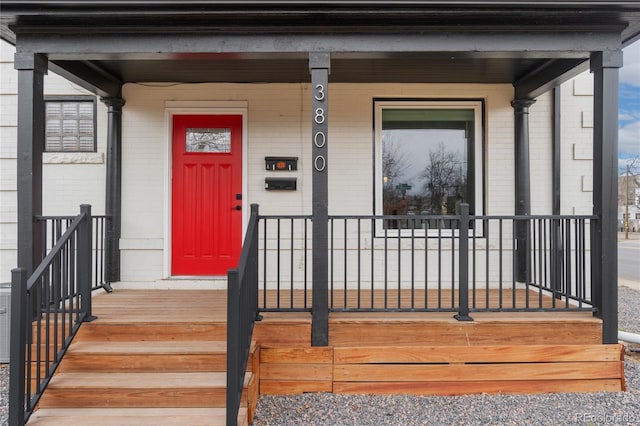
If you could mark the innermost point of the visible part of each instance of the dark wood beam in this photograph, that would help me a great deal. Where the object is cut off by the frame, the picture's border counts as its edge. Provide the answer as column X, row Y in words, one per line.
column 319, row 66
column 567, row 44
column 31, row 129
column 89, row 76
column 547, row 76
column 605, row 67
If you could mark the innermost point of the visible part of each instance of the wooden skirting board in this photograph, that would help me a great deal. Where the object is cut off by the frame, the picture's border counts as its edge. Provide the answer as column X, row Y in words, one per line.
column 442, row 370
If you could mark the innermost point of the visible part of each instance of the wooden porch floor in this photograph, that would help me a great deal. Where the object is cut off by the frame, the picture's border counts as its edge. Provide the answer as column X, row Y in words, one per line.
column 115, row 361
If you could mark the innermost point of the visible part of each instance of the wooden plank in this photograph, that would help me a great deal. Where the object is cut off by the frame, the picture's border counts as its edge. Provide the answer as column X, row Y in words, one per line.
column 137, row 416
column 307, row 372
column 476, row 372
column 138, row 380
column 293, row 387
column 465, row 388
column 462, row 334
column 145, row 347
column 125, row 331
column 282, row 334
column 253, row 393
column 487, row 354
column 76, row 362
column 105, row 396
column 300, row 355
column 166, row 390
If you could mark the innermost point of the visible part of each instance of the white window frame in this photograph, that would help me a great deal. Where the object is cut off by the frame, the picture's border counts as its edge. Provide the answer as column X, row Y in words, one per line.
column 478, row 146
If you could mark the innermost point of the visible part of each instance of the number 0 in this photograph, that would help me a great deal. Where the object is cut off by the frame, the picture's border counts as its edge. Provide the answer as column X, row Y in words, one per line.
column 319, row 139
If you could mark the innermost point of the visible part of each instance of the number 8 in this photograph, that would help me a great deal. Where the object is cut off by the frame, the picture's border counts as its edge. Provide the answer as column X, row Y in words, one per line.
column 319, row 118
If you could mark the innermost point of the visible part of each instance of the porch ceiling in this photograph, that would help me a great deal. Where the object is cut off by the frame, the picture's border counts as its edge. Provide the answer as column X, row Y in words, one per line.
column 431, row 68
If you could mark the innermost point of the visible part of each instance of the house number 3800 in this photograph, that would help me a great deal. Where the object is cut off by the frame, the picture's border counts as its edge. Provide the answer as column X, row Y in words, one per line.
column 319, row 117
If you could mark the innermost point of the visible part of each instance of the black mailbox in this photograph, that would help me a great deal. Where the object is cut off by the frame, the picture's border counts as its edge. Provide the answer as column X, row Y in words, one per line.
column 281, row 164
column 280, row 184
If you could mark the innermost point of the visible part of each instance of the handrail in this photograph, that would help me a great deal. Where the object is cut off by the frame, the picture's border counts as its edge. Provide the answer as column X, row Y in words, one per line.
column 47, row 310
column 53, row 228
column 242, row 311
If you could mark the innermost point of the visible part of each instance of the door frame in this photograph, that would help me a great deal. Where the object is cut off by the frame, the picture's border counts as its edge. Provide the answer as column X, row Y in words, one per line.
column 197, row 108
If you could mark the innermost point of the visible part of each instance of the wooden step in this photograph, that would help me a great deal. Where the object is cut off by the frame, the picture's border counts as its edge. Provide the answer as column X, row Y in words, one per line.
column 99, row 389
column 168, row 356
column 113, row 331
column 133, row 417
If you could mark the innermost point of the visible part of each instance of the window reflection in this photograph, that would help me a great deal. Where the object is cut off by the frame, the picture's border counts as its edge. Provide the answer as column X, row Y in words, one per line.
column 427, row 162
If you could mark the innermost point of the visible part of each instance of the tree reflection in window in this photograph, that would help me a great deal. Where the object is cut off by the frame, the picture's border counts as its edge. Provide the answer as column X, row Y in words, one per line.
column 427, row 163
column 208, row 140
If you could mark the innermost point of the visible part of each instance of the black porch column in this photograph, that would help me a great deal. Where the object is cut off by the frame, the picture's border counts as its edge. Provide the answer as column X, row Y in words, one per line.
column 604, row 66
column 523, row 185
column 31, row 116
column 113, row 190
column 319, row 65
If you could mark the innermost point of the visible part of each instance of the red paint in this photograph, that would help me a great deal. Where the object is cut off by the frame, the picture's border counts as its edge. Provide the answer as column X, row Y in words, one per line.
column 206, row 227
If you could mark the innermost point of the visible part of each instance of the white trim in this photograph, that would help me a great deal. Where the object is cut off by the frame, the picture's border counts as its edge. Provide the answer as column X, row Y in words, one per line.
column 475, row 104
column 199, row 108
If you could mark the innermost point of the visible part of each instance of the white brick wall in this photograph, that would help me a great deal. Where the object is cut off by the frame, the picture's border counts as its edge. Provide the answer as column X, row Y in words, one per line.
column 577, row 147
column 540, row 154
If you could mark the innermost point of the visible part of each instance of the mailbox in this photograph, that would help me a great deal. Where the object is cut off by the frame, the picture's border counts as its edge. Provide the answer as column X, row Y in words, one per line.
column 280, row 184
column 281, row 164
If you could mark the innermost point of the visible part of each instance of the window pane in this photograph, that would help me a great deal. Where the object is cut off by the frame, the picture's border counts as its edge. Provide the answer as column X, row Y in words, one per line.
column 54, row 109
column 426, row 161
column 70, row 109
column 208, row 140
column 70, row 126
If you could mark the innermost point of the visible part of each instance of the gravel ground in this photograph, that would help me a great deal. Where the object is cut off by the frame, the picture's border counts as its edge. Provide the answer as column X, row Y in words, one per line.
column 621, row 408
column 4, row 394
column 629, row 310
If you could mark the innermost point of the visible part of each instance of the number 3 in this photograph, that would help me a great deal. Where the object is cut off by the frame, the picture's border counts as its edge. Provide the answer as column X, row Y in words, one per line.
column 320, row 95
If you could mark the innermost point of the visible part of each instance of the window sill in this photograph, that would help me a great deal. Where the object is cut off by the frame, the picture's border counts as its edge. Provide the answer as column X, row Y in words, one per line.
column 73, row 158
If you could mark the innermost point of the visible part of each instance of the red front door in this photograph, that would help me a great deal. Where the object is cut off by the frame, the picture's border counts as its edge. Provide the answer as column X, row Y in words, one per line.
column 206, row 194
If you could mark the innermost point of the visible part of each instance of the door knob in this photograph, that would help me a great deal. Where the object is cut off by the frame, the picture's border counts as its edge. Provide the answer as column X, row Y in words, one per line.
column 238, row 207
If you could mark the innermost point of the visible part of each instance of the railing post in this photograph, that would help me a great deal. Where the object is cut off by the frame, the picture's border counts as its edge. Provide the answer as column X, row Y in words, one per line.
column 233, row 345
column 18, row 346
column 85, row 234
column 463, row 265
column 319, row 65
column 254, row 261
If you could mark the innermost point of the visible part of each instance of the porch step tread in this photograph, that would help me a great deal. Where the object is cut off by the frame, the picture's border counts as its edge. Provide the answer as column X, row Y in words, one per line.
column 187, row 380
column 147, row 356
column 141, row 390
column 133, row 416
column 145, row 347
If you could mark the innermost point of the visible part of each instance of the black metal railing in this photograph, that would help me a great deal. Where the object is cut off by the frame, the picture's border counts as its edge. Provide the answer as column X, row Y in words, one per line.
column 54, row 226
column 458, row 263
column 286, row 263
column 47, row 309
column 242, row 311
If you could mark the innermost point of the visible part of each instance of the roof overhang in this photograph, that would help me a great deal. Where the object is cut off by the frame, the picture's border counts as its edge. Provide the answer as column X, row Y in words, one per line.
column 532, row 45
